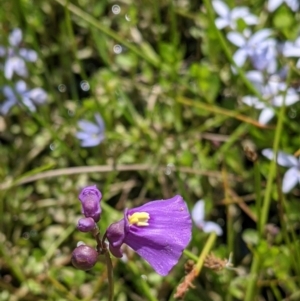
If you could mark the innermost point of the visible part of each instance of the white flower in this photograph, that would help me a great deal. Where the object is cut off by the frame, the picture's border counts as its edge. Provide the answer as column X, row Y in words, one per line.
column 252, row 45
column 274, row 4
column 198, row 214
column 292, row 49
column 273, row 92
column 229, row 17
column 292, row 176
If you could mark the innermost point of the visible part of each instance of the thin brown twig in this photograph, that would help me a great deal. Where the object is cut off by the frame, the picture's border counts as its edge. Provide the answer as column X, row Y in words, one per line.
column 107, row 168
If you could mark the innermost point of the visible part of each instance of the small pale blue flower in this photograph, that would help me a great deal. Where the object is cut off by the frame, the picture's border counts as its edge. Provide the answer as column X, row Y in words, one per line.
column 292, row 49
column 198, row 215
column 292, row 177
column 228, row 18
column 20, row 93
column 273, row 91
column 274, row 4
column 251, row 45
column 91, row 134
column 15, row 56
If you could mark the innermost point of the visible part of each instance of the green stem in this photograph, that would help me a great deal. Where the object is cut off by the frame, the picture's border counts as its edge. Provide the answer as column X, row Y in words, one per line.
column 190, row 255
column 205, row 251
column 266, row 202
column 110, row 276
column 257, row 188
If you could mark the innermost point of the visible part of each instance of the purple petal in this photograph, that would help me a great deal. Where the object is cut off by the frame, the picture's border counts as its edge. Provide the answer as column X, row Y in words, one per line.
column 28, row 55
column 290, row 179
column 86, row 224
column 198, row 212
column 283, row 159
column 266, row 115
column 116, row 235
column 162, row 242
column 209, row 227
column 236, row 39
column 90, row 198
column 220, row 8
column 15, row 38
column 88, row 126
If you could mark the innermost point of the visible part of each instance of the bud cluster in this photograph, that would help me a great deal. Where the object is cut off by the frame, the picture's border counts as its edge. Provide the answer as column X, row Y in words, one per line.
column 85, row 257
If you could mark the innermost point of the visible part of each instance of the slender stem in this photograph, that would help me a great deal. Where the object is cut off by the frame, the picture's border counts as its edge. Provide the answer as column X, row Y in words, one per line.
column 190, row 255
column 209, row 243
column 253, row 278
column 266, row 202
column 110, row 276
column 257, row 188
column 221, row 111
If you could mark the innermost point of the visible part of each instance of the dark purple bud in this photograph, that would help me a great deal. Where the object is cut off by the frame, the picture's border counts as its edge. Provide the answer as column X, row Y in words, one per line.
column 90, row 198
column 86, row 224
column 84, row 257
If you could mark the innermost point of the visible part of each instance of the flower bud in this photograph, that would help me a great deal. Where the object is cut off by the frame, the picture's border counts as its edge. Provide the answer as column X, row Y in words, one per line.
column 90, row 198
column 86, row 224
column 84, row 257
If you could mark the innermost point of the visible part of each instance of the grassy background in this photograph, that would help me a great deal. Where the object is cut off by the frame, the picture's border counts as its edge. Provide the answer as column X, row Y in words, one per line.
column 174, row 125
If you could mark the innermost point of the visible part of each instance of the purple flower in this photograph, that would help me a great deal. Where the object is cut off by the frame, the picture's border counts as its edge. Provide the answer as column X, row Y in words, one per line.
column 198, row 214
column 292, row 49
column 273, row 92
column 91, row 134
column 250, row 45
column 90, row 198
column 158, row 231
column 229, row 17
column 292, row 176
column 86, row 224
column 29, row 98
column 274, row 4
column 15, row 56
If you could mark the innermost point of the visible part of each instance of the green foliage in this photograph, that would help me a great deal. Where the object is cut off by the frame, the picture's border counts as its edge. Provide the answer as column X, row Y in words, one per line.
column 174, row 125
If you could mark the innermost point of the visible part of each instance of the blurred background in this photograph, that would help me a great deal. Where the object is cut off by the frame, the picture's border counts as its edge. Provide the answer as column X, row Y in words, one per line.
column 146, row 100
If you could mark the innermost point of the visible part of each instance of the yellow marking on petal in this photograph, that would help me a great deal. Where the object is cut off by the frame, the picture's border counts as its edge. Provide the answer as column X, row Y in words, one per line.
column 139, row 219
